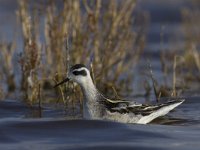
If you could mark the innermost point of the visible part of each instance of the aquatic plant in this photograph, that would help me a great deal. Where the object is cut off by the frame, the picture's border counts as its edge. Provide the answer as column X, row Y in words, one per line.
column 6, row 59
column 183, row 65
column 30, row 58
column 99, row 33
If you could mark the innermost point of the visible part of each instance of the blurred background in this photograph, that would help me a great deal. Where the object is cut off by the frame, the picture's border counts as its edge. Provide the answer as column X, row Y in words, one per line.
column 138, row 49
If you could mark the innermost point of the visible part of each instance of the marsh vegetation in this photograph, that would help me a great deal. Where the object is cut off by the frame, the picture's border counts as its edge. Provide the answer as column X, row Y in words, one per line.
column 107, row 36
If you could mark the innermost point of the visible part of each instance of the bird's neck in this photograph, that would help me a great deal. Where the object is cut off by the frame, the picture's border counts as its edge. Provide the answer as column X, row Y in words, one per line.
column 90, row 91
column 91, row 107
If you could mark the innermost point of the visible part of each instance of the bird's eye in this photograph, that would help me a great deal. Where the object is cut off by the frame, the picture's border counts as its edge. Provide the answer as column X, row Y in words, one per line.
column 81, row 72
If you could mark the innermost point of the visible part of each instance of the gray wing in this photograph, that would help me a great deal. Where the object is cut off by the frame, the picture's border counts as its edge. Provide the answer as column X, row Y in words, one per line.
column 142, row 109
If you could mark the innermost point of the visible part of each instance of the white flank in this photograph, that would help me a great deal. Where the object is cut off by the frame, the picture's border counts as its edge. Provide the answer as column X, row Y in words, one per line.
column 161, row 112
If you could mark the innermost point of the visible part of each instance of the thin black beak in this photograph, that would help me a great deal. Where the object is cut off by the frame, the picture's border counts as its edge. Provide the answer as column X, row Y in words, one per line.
column 65, row 80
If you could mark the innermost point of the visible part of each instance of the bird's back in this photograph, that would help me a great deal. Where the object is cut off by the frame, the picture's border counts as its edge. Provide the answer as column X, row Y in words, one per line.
column 131, row 112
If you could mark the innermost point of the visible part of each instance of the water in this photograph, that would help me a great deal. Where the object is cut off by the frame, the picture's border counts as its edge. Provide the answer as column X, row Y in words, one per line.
column 22, row 127
column 90, row 134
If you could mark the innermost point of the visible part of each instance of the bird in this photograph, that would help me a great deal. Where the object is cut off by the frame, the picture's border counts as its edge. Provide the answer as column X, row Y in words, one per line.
column 97, row 106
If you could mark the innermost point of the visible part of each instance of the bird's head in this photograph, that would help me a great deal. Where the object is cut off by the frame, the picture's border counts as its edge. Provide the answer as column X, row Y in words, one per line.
column 79, row 74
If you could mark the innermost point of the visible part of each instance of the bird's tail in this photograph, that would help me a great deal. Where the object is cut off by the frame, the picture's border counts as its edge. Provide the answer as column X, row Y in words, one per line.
column 161, row 110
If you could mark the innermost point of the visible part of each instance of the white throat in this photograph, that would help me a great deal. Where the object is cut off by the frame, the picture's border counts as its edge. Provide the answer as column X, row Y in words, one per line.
column 89, row 90
column 91, row 107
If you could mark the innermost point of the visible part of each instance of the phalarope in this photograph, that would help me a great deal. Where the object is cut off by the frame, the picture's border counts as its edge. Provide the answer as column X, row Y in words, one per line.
column 97, row 106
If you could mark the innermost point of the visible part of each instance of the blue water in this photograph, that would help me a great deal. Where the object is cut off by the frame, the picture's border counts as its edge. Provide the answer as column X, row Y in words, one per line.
column 90, row 134
column 22, row 127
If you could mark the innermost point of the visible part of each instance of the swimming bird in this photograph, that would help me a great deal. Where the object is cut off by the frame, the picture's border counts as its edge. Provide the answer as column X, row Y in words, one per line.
column 97, row 106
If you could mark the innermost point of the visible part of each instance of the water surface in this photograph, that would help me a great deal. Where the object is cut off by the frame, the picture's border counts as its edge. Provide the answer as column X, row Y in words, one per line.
column 20, row 128
column 90, row 134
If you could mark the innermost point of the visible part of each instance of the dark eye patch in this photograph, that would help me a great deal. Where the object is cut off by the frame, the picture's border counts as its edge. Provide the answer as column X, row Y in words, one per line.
column 82, row 73
column 77, row 66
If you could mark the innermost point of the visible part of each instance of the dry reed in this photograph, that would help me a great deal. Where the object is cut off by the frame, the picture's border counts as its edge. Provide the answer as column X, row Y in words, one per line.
column 99, row 29
column 183, row 65
column 6, row 58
